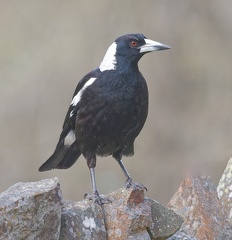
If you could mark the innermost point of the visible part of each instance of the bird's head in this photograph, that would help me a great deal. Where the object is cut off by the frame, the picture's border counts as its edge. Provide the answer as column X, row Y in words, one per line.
column 128, row 49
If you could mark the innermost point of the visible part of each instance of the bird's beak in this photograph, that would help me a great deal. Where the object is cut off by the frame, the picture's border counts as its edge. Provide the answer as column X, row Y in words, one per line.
column 151, row 46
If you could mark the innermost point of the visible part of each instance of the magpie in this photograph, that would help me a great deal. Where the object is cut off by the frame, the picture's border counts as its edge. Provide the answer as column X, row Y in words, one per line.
column 108, row 110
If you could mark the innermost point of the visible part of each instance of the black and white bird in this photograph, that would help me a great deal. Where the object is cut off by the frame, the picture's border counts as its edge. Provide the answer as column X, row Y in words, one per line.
column 108, row 110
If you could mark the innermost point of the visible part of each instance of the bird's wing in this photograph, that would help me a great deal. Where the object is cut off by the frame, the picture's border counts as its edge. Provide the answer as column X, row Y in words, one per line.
column 67, row 152
column 70, row 119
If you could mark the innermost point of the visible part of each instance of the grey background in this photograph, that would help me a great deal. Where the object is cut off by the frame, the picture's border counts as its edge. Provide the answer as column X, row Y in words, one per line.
column 46, row 47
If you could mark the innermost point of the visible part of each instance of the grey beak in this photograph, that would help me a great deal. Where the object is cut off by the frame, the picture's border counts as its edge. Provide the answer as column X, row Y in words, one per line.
column 151, row 46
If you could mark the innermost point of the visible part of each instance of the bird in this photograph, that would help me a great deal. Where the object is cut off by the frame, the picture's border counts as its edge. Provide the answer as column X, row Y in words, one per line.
column 108, row 110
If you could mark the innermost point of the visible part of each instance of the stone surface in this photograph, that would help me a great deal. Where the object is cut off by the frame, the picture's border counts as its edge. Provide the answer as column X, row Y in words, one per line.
column 197, row 202
column 31, row 211
column 224, row 190
column 127, row 214
column 82, row 220
column 181, row 236
column 144, row 235
column 226, row 233
column 131, row 216
column 165, row 222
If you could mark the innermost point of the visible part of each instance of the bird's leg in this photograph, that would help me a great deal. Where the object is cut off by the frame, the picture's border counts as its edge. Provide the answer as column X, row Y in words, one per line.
column 128, row 177
column 129, row 182
column 95, row 197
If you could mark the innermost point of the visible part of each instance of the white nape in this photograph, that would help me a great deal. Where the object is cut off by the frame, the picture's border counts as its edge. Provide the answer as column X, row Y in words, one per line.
column 109, row 61
column 70, row 138
column 77, row 98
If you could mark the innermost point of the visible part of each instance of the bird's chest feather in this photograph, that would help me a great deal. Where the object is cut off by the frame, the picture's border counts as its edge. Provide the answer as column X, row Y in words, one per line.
column 111, row 117
column 113, row 108
column 116, row 96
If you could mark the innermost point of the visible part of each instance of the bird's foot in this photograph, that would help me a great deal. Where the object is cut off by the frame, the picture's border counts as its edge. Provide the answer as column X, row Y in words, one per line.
column 96, row 198
column 130, row 184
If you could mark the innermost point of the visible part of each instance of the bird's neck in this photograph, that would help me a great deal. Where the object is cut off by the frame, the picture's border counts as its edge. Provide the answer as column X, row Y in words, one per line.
column 113, row 61
column 127, row 65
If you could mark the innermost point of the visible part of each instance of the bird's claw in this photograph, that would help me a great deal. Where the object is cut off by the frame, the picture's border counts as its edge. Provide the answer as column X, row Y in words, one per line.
column 95, row 198
column 130, row 184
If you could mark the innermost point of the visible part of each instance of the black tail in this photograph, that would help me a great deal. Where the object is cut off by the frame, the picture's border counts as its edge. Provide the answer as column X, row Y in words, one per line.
column 62, row 158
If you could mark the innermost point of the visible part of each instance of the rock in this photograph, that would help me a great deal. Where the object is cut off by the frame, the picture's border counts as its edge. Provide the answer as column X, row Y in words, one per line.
column 127, row 214
column 197, row 202
column 165, row 222
column 224, row 190
column 131, row 216
column 181, row 236
column 36, row 211
column 226, row 234
column 82, row 220
column 31, row 211
column 144, row 235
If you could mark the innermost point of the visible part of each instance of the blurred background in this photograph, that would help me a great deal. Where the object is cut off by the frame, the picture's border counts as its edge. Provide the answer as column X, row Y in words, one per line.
column 46, row 47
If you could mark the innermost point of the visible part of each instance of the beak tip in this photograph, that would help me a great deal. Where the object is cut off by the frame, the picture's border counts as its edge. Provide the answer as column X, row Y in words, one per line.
column 163, row 47
column 166, row 47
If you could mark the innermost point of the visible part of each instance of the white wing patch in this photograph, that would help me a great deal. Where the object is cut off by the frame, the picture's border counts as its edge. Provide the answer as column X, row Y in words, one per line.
column 71, row 114
column 77, row 98
column 109, row 61
column 70, row 138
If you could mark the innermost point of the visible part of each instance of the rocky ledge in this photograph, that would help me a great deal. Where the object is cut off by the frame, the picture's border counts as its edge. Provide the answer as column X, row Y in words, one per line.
column 198, row 210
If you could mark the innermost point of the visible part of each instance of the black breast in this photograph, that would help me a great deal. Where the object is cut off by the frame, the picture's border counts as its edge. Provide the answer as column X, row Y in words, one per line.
column 112, row 112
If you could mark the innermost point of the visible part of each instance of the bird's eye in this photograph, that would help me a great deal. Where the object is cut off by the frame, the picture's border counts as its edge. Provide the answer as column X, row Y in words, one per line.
column 133, row 43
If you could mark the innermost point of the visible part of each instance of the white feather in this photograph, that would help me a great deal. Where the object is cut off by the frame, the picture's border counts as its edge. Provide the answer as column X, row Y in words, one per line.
column 77, row 98
column 109, row 61
column 70, row 138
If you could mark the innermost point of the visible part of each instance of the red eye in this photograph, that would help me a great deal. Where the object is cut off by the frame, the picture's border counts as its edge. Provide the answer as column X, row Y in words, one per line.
column 133, row 43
